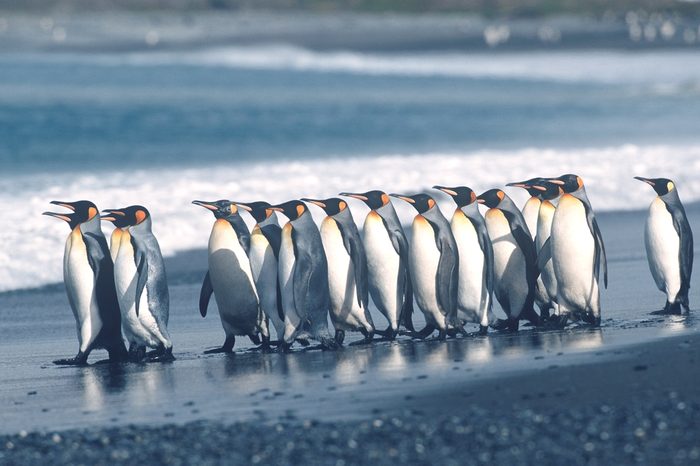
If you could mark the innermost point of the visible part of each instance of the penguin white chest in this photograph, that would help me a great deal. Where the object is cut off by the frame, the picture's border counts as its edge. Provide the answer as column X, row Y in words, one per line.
column 383, row 263
column 663, row 248
column 471, row 263
column 341, row 272
column 531, row 211
column 424, row 259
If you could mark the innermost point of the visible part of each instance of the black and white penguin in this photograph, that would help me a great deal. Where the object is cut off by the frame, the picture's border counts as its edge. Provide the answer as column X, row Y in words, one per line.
column 303, row 277
column 264, row 253
column 476, row 280
column 531, row 213
column 347, row 270
column 142, row 286
column 434, row 263
column 88, row 274
column 386, row 249
column 515, row 259
column 577, row 252
column 230, row 277
column 669, row 244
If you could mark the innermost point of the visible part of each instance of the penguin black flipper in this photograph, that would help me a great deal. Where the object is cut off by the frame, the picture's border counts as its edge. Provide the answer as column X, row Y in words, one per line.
column 280, row 310
column 303, row 269
column 522, row 236
column 600, row 256
column 205, row 295
column 141, row 274
column 487, row 248
column 273, row 234
column 545, row 254
column 356, row 251
column 241, row 230
column 685, row 252
column 398, row 240
column 447, row 272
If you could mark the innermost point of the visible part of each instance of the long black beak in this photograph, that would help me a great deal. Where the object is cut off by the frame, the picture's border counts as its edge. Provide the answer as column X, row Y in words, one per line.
column 206, row 205
column 408, row 199
column 519, row 184
column 243, row 206
column 359, row 196
column 645, row 180
column 67, row 205
column 317, row 202
column 445, row 190
column 63, row 217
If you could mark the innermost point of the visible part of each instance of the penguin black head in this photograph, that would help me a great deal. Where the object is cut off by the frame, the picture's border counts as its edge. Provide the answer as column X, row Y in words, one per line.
column 260, row 210
column 491, row 198
column 131, row 216
column 221, row 209
column 115, row 216
column 529, row 186
column 83, row 211
column 462, row 195
column 421, row 202
column 570, row 183
column 331, row 206
column 291, row 209
column 547, row 190
column 662, row 186
column 374, row 199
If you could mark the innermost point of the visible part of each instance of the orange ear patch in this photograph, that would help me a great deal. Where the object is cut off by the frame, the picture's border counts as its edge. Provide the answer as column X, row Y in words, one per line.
column 91, row 213
column 579, row 180
column 385, row 199
column 268, row 212
column 473, row 196
column 234, row 208
column 431, row 203
column 140, row 216
column 500, row 195
column 342, row 205
column 300, row 210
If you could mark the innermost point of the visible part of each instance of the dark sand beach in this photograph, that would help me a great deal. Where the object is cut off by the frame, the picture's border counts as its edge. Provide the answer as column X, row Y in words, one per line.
column 624, row 393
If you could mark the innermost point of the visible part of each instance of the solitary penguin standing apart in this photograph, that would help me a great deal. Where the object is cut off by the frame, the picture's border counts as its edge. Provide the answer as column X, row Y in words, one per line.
column 434, row 262
column 515, row 259
column 230, row 277
column 531, row 212
column 347, row 270
column 88, row 274
column 303, row 276
column 669, row 244
column 264, row 255
column 142, row 286
column 475, row 290
column 386, row 248
column 578, row 253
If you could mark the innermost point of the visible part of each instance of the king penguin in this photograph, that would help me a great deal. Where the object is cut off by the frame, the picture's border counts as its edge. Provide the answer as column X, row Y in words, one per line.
column 303, row 277
column 115, row 240
column 347, row 270
column 669, row 244
column 531, row 212
column 142, row 287
column 577, row 252
column 230, row 277
column 264, row 255
column 475, row 289
column 388, row 274
column 515, row 259
column 434, row 263
column 88, row 274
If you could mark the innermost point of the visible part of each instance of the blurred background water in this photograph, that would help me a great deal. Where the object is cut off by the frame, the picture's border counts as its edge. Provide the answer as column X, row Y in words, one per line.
column 162, row 106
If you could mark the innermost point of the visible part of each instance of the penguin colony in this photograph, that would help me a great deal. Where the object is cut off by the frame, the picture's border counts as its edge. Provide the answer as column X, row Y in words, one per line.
column 293, row 277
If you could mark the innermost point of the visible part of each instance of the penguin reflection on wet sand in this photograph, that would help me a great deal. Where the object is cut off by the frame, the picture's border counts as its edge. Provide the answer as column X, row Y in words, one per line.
column 475, row 290
column 142, row 286
column 515, row 259
column 531, row 213
column 577, row 252
column 669, row 243
column 347, row 270
column 264, row 255
column 88, row 274
column 230, row 277
column 303, row 276
column 434, row 263
column 388, row 273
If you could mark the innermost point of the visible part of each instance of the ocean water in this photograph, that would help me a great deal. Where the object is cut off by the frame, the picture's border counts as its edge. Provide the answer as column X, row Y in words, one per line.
column 275, row 121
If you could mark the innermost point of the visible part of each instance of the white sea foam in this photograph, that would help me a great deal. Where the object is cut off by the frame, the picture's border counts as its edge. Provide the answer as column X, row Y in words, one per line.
column 33, row 244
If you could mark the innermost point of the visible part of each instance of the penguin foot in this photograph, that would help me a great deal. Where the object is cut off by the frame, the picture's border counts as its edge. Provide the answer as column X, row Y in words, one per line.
column 284, row 347
column 219, row 350
column 340, row 336
column 388, row 334
column 329, row 344
column 160, row 355
column 507, row 325
column 79, row 360
column 483, row 330
column 557, row 322
column 422, row 334
column 137, row 353
column 118, row 354
column 303, row 342
column 369, row 336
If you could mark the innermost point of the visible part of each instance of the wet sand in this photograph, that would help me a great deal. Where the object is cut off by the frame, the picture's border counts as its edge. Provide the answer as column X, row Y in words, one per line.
column 617, row 379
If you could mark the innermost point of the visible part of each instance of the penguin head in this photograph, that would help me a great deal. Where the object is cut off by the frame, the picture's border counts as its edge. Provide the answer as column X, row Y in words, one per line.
column 569, row 183
column 491, row 198
column 291, row 209
column 529, row 185
column 116, row 216
column 260, row 210
column 374, row 199
column 331, row 206
column 547, row 190
column 421, row 202
column 221, row 209
column 130, row 216
column 662, row 186
column 82, row 211
column 462, row 195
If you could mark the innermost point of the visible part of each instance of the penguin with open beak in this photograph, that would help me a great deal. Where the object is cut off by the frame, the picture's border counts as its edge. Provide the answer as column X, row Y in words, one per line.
column 142, row 286
column 577, row 252
column 88, row 274
column 515, row 259
column 347, row 270
column 388, row 273
column 669, row 244
column 475, row 290
column 303, row 277
column 434, row 263
column 230, row 277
